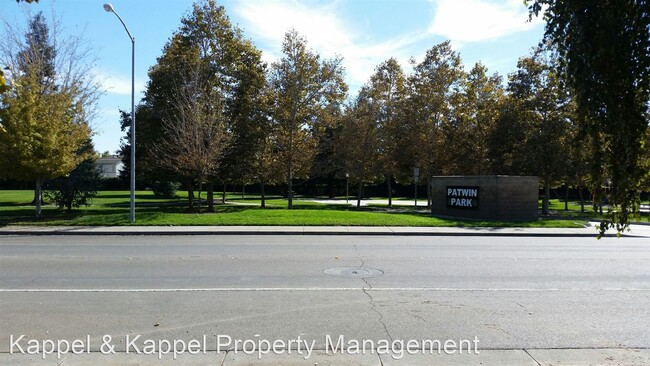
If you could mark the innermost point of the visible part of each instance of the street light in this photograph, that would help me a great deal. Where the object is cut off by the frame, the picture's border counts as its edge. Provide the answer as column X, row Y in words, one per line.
column 109, row 8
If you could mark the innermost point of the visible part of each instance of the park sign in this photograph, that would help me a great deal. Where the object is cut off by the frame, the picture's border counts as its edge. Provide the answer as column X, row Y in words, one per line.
column 503, row 197
column 462, row 197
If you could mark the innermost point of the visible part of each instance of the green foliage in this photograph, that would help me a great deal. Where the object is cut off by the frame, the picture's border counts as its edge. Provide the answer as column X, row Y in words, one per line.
column 603, row 48
column 3, row 83
column 433, row 92
column 80, row 186
column 304, row 89
column 44, row 113
column 165, row 189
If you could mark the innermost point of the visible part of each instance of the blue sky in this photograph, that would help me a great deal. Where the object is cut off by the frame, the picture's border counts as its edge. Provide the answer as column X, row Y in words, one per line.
column 364, row 32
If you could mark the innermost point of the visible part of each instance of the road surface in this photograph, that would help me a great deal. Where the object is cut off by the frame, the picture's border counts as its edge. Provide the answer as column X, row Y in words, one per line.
column 510, row 293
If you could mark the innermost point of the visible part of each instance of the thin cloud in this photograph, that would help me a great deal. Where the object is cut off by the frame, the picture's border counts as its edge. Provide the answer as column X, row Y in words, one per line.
column 325, row 31
column 468, row 21
column 119, row 84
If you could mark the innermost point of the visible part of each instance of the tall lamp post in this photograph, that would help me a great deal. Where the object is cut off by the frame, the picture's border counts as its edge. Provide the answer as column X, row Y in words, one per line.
column 109, row 8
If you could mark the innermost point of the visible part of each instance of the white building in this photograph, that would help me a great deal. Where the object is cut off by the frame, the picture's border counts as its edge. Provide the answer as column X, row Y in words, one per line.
column 109, row 166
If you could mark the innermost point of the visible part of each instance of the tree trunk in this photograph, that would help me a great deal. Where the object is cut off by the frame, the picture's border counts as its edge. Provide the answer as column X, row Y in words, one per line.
column 289, row 190
column 429, row 196
column 199, row 198
column 190, row 194
column 34, row 199
column 566, row 197
column 390, row 191
column 243, row 190
column 223, row 194
column 359, row 194
column 38, row 197
column 582, row 199
column 547, row 192
column 262, row 195
column 210, row 196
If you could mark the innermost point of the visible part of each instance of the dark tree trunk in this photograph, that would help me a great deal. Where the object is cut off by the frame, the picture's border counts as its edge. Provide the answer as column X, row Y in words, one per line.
column 190, row 194
column 210, row 196
column 262, row 195
column 582, row 199
column 38, row 197
column 199, row 197
column 566, row 197
column 223, row 194
column 243, row 190
column 331, row 188
column 390, row 191
column 359, row 194
column 429, row 196
column 289, row 190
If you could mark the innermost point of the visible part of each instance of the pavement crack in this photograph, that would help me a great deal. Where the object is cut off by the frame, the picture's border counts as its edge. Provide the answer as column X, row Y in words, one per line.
column 374, row 308
column 531, row 356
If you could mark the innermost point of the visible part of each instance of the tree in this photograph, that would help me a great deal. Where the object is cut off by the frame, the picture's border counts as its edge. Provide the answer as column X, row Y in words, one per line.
column 473, row 122
column 44, row 116
column 604, row 58
column 433, row 93
column 544, row 109
column 195, row 133
column 232, row 68
column 303, row 87
column 80, row 186
column 387, row 88
column 359, row 141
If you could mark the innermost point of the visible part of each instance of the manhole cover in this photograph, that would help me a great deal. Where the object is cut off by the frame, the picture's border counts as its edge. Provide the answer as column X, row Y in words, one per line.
column 353, row 272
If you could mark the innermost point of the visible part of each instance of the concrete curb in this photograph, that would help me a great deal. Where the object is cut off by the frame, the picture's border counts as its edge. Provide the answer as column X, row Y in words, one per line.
column 588, row 232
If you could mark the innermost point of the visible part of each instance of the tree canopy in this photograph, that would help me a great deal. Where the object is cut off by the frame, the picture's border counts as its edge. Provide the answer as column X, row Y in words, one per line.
column 603, row 56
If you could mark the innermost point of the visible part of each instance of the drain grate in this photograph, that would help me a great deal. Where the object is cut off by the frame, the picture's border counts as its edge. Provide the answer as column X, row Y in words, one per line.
column 353, row 272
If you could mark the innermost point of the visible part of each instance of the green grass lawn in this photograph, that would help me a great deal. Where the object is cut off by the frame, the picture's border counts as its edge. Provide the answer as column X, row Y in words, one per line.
column 112, row 207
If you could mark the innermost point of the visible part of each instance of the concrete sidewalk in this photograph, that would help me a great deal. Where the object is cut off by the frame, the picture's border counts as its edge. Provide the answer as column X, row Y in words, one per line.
column 519, row 357
column 590, row 231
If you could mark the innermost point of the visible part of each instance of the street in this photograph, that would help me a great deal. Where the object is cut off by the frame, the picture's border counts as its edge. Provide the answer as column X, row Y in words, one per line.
column 510, row 293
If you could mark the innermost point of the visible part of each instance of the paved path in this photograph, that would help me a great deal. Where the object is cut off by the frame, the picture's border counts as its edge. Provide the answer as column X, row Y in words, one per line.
column 529, row 300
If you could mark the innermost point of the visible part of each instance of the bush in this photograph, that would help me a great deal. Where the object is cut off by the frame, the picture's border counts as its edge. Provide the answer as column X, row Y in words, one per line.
column 165, row 189
column 79, row 187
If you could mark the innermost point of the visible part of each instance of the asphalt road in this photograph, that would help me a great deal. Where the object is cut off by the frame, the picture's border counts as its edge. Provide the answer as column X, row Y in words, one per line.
column 510, row 292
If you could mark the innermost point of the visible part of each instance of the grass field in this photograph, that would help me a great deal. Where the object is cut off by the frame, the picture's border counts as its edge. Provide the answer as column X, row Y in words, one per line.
column 112, row 207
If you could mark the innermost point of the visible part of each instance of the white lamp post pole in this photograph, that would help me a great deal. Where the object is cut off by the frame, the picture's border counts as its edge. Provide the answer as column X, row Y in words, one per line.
column 109, row 8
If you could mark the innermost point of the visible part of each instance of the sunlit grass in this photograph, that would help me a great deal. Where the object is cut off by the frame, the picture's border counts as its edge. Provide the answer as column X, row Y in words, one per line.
column 112, row 208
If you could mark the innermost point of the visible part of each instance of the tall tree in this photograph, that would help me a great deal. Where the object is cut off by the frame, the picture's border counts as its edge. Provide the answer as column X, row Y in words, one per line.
column 387, row 88
column 433, row 91
column 603, row 48
column 44, row 116
column 304, row 86
column 359, row 142
column 474, row 121
column 544, row 109
column 236, row 75
column 195, row 132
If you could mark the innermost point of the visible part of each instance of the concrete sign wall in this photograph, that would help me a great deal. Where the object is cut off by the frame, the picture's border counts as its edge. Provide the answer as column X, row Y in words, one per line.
column 501, row 197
